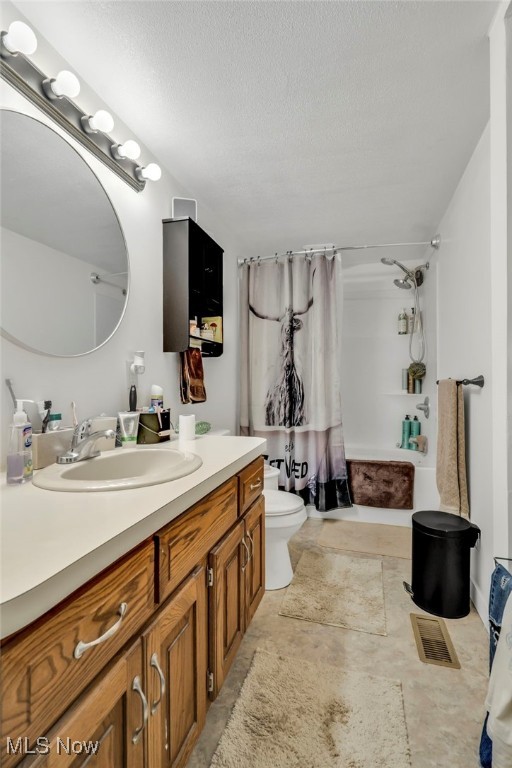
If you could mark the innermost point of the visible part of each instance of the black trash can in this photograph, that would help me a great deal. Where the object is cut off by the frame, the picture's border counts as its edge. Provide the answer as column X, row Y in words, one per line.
column 440, row 562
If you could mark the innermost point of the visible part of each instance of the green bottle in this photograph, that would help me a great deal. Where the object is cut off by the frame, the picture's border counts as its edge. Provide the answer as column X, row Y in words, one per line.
column 415, row 431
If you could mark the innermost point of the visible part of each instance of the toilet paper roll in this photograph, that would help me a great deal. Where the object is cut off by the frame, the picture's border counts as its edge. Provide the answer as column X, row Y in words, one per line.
column 188, row 427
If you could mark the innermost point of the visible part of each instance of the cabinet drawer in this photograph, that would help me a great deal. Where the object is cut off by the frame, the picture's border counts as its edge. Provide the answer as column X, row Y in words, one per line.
column 47, row 665
column 182, row 544
column 250, row 484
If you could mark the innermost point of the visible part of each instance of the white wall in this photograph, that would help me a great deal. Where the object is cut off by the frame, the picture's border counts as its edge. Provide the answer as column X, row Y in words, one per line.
column 98, row 381
column 465, row 340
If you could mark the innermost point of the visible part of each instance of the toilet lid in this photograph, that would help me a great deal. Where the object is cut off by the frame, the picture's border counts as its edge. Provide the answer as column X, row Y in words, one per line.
column 282, row 503
column 270, row 471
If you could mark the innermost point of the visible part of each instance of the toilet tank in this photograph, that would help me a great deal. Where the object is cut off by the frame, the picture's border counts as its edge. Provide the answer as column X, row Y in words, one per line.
column 270, row 478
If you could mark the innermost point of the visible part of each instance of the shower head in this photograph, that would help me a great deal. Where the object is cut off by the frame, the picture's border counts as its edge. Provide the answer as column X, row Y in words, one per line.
column 394, row 262
column 402, row 283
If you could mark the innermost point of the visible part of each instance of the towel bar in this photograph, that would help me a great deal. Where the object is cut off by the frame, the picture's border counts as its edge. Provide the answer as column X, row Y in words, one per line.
column 479, row 381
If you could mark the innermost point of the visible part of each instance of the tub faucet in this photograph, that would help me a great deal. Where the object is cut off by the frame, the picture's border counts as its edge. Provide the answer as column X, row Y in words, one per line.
column 86, row 448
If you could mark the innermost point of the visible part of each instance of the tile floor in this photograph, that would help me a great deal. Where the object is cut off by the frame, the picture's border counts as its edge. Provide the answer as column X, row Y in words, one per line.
column 443, row 707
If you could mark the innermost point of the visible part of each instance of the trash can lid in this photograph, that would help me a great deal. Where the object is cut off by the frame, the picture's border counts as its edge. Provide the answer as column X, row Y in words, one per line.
column 444, row 524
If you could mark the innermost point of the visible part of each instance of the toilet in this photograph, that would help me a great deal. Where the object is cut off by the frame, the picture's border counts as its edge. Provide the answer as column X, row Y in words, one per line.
column 285, row 513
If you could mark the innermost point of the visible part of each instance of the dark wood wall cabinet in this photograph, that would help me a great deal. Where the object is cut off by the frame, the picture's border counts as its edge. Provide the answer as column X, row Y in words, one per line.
column 128, row 665
column 192, row 288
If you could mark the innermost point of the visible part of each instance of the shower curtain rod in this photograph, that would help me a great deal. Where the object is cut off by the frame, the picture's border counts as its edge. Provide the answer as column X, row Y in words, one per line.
column 434, row 243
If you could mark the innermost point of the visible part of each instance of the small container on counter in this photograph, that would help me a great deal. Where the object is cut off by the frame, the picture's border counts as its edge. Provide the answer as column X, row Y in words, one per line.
column 54, row 422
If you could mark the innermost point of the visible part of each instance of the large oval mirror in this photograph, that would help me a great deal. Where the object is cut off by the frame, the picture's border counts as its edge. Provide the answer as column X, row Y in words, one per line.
column 64, row 264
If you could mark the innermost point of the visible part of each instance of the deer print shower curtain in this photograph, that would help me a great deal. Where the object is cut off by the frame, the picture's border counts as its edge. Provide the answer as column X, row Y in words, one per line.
column 290, row 384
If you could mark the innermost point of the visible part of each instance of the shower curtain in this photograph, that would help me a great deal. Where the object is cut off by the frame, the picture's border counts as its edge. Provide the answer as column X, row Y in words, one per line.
column 290, row 383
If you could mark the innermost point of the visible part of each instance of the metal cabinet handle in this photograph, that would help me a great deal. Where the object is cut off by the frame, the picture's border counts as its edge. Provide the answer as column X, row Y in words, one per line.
column 244, row 566
column 253, row 486
column 252, row 544
column 136, row 686
column 154, row 663
column 81, row 647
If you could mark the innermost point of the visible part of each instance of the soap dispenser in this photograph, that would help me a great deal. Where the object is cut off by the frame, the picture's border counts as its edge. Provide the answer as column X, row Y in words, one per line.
column 19, row 456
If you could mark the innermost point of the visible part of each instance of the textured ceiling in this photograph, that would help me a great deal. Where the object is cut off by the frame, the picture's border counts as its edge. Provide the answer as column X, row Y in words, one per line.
column 295, row 122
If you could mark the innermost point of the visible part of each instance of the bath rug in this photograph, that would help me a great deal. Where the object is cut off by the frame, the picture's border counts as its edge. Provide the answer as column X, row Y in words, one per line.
column 370, row 538
column 304, row 714
column 386, row 484
column 338, row 590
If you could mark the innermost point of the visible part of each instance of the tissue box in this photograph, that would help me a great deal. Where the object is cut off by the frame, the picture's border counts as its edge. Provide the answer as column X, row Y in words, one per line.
column 48, row 446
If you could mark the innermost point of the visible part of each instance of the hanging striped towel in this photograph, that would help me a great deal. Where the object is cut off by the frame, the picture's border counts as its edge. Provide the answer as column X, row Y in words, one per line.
column 451, row 449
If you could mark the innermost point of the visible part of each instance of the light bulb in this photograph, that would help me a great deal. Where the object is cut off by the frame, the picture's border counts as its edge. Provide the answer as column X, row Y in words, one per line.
column 151, row 172
column 100, row 121
column 65, row 84
column 129, row 149
column 20, row 38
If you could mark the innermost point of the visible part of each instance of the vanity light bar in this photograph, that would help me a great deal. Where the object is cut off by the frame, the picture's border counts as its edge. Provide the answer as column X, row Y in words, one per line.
column 53, row 96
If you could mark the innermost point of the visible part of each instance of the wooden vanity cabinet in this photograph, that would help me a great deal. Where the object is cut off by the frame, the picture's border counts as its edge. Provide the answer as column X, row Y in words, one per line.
column 176, row 648
column 46, row 666
column 191, row 594
column 236, row 579
column 105, row 727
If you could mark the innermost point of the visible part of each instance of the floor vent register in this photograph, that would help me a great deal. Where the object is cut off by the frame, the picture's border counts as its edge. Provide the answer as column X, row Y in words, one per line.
column 433, row 641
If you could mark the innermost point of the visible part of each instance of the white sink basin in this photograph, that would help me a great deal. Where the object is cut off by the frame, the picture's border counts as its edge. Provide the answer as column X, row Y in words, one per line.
column 119, row 469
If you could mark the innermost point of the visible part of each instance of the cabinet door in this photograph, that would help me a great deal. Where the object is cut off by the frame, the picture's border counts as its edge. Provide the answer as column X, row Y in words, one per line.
column 227, row 564
column 255, row 570
column 176, row 656
column 105, row 728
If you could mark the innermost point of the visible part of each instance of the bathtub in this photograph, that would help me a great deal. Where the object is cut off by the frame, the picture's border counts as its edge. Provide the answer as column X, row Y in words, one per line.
column 425, row 489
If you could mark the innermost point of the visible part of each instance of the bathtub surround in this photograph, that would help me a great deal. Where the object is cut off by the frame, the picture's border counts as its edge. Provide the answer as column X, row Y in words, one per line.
column 339, row 590
column 268, row 726
column 451, row 449
column 290, row 390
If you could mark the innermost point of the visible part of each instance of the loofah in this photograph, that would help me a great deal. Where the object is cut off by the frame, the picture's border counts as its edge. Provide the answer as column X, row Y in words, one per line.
column 417, row 370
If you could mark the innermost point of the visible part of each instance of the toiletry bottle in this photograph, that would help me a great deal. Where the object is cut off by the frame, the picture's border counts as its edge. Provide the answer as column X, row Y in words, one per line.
column 402, row 322
column 157, row 396
column 19, row 457
column 410, row 383
column 405, row 378
column 417, row 386
column 411, row 321
column 415, row 431
column 406, row 432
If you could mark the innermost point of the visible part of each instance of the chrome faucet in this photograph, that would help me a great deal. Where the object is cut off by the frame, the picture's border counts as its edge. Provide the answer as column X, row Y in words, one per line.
column 86, row 448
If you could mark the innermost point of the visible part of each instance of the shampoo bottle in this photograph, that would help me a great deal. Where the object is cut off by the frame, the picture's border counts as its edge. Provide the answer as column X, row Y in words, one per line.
column 411, row 321
column 415, row 431
column 406, row 432
column 19, row 456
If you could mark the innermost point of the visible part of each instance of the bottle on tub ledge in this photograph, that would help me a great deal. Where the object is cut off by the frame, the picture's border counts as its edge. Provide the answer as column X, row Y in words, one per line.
column 406, row 432
column 415, row 431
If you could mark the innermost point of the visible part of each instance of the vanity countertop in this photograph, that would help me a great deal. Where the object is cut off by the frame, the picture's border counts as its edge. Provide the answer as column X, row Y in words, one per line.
column 52, row 542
